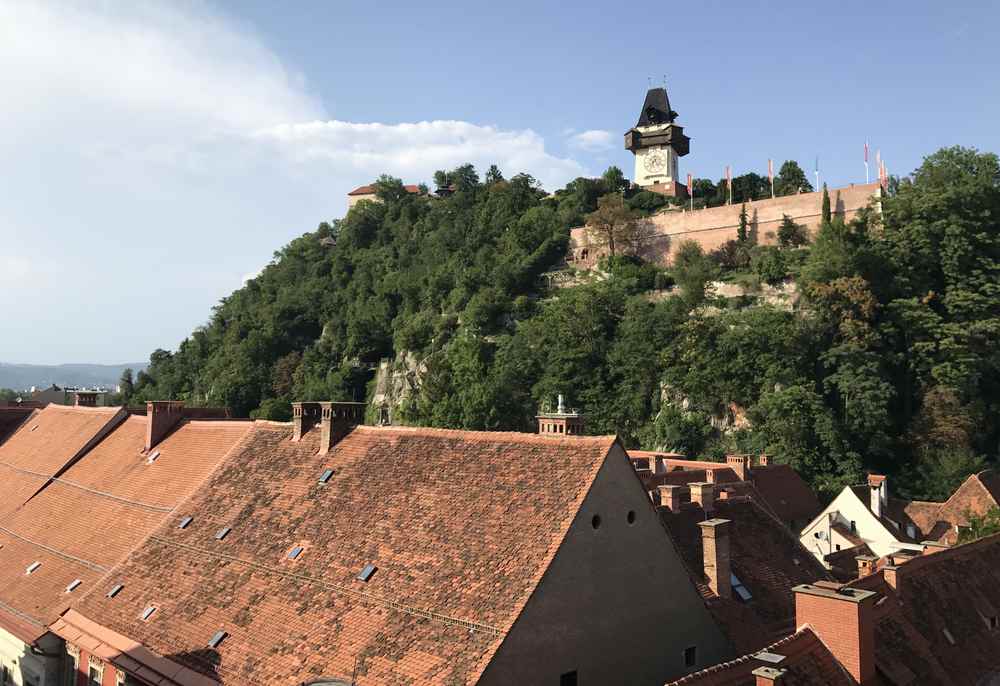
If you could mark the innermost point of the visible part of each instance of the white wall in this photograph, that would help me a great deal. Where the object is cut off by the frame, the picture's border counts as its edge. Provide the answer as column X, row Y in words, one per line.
column 26, row 668
column 847, row 507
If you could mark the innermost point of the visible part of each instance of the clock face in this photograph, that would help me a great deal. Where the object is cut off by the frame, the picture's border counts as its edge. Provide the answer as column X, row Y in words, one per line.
column 655, row 161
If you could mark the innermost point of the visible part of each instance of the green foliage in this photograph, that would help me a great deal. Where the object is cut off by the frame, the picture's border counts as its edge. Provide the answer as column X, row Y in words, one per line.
column 889, row 362
column 825, row 211
column 791, row 180
column 791, row 234
column 741, row 230
column 980, row 526
column 647, row 202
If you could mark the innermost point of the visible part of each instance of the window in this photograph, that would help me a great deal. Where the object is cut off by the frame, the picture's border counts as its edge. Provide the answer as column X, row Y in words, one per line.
column 325, row 476
column 741, row 590
column 690, row 656
column 32, row 567
column 95, row 672
column 152, row 457
column 72, row 585
column 816, row 535
column 838, row 547
column 294, row 552
column 596, row 521
column 854, row 526
column 568, row 679
column 630, row 517
column 222, row 533
column 185, row 522
column 217, row 638
column 148, row 612
column 73, row 664
column 947, row 635
column 910, row 531
column 367, row 572
column 115, row 590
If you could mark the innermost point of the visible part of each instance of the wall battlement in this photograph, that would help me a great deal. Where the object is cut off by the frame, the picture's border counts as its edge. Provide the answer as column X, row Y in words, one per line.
column 713, row 226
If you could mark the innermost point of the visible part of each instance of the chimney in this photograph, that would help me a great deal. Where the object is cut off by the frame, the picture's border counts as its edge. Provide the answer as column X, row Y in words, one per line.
column 304, row 417
column 670, row 497
column 336, row 421
column 768, row 676
column 764, row 460
column 655, row 464
column 85, row 399
column 867, row 565
column 739, row 464
column 843, row 618
column 892, row 576
column 879, row 494
column 710, row 476
column 715, row 553
column 703, row 494
column 161, row 417
column 931, row 547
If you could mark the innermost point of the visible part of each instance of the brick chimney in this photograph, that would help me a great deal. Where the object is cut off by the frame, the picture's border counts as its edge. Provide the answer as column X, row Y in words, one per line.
column 843, row 618
column 85, row 399
column 892, row 575
column 764, row 460
column 161, row 417
column 670, row 497
column 336, row 421
column 867, row 565
column 715, row 553
column 562, row 422
column 703, row 494
column 304, row 417
column 879, row 494
column 769, row 676
column 739, row 464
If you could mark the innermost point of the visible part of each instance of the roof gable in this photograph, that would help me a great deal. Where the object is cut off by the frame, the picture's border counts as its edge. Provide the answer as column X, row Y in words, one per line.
column 459, row 526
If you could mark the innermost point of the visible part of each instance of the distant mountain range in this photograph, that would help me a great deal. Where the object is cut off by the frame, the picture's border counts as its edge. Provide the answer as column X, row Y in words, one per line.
column 23, row 376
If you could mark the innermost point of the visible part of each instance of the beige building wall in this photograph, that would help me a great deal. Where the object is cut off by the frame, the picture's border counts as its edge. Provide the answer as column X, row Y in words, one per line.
column 712, row 227
column 25, row 666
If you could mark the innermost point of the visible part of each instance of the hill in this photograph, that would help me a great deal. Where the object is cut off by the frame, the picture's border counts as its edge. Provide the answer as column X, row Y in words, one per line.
column 888, row 361
column 23, row 376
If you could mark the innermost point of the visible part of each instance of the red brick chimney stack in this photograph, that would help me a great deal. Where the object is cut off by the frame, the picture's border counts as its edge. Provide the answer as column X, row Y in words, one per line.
column 764, row 460
column 670, row 497
column 161, row 417
column 562, row 422
column 879, row 494
column 739, row 464
column 715, row 553
column 703, row 494
column 867, row 565
column 305, row 415
column 843, row 618
column 769, row 676
column 336, row 420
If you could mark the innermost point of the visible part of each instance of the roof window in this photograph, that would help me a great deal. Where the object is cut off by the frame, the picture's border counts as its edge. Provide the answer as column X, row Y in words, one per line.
column 34, row 427
column 691, row 656
column 185, row 522
column 947, row 635
column 367, row 572
column 222, row 533
column 740, row 589
column 325, row 476
column 32, row 567
column 294, row 552
column 115, row 590
column 217, row 638
column 72, row 585
column 152, row 457
column 148, row 612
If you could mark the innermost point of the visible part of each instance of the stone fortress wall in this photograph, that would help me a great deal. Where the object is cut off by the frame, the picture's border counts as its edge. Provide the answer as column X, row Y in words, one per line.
column 712, row 227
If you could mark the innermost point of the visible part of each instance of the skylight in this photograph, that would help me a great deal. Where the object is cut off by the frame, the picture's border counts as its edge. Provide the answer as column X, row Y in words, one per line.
column 223, row 532
column 116, row 590
column 294, row 552
column 32, row 567
column 34, row 427
column 740, row 589
column 148, row 612
column 217, row 638
column 947, row 634
column 72, row 585
column 325, row 476
column 367, row 572
column 152, row 457
column 184, row 522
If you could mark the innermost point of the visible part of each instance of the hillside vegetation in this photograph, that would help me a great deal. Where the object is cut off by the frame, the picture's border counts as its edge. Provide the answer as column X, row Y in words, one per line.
column 890, row 361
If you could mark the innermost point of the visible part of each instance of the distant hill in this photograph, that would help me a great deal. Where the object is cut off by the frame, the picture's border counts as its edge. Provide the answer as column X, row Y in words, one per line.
column 23, row 376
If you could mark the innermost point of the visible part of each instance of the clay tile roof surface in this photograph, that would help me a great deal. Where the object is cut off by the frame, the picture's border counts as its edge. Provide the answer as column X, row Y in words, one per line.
column 786, row 493
column 88, row 518
column 764, row 555
column 807, row 662
column 460, row 526
column 939, row 624
column 42, row 447
column 977, row 494
column 370, row 189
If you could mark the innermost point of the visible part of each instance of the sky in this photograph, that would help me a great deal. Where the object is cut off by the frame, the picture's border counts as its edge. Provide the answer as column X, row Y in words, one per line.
column 154, row 155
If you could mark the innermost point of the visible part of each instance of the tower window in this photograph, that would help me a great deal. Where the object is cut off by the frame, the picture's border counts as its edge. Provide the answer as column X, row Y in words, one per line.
column 568, row 679
column 690, row 656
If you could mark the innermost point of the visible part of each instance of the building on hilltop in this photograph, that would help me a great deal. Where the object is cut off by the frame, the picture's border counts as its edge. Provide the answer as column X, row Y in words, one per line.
column 322, row 550
column 367, row 192
column 89, row 506
column 657, row 142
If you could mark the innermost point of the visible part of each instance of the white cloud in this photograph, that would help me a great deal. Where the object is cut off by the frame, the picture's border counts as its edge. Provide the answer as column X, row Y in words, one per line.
column 594, row 140
column 163, row 150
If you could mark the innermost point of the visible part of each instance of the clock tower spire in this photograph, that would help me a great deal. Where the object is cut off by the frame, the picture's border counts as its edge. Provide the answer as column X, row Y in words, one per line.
column 657, row 143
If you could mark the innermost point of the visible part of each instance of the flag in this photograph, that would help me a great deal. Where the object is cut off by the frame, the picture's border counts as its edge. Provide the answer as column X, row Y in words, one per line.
column 690, row 186
column 770, row 171
column 866, row 152
column 729, row 176
column 816, row 168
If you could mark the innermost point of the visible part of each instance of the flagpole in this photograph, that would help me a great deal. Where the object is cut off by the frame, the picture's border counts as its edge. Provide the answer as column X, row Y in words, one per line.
column 770, row 176
column 816, row 171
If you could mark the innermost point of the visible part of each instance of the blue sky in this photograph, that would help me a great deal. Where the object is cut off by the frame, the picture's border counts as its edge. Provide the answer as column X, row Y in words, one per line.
column 155, row 154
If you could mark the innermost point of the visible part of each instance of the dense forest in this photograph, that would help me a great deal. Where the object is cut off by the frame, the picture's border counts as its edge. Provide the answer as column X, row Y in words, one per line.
column 889, row 359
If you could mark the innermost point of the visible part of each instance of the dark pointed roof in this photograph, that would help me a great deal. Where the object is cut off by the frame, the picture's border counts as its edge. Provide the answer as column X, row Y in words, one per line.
column 656, row 108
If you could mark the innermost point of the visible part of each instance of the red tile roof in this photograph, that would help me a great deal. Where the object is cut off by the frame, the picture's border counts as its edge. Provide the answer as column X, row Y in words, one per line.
column 454, row 568
column 786, row 493
column 953, row 593
column 806, row 662
column 977, row 494
column 42, row 447
column 370, row 189
column 764, row 555
column 88, row 518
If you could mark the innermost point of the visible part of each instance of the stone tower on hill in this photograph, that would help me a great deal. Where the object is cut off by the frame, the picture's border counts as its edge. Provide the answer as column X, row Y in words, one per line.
column 657, row 142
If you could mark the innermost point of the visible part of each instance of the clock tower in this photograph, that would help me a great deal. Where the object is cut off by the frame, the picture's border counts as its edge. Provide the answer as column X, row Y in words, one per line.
column 657, row 142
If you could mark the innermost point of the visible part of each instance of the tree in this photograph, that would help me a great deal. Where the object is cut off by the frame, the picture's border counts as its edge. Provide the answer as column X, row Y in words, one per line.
column 791, row 234
column 826, row 216
column 980, row 526
column 791, row 179
column 617, row 226
column 614, row 180
column 127, row 386
column 493, row 175
column 693, row 271
column 741, row 230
